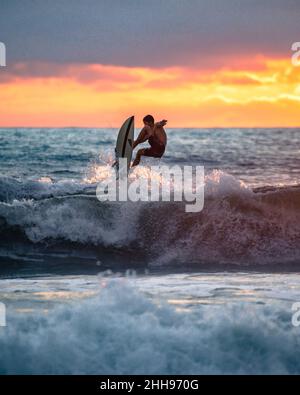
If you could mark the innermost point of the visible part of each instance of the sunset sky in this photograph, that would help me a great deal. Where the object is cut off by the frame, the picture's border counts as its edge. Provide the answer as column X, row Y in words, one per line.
column 197, row 63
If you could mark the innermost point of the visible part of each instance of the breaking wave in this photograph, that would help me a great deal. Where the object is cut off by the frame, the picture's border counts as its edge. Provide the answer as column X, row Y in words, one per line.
column 237, row 225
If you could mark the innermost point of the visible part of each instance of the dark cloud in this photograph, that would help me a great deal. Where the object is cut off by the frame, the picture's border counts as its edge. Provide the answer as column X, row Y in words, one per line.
column 146, row 33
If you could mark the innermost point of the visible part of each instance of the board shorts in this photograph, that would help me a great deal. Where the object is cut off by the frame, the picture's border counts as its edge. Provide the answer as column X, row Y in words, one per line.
column 156, row 152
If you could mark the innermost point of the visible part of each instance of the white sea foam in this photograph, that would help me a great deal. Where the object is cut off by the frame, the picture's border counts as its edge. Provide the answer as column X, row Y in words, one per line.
column 123, row 332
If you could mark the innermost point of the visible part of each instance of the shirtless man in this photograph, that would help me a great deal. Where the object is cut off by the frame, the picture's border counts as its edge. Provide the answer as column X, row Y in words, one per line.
column 156, row 136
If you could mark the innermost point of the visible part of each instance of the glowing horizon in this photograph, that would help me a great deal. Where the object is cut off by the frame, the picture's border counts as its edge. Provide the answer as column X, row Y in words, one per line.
column 254, row 92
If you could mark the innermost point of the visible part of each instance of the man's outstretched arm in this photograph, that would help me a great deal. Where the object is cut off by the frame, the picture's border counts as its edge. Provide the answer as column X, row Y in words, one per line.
column 162, row 123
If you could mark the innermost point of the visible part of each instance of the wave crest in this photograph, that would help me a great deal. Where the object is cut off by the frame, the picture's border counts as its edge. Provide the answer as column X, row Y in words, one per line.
column 238, row 225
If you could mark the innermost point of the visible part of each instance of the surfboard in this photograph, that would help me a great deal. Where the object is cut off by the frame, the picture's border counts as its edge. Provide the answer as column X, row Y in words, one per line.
column 125, row 141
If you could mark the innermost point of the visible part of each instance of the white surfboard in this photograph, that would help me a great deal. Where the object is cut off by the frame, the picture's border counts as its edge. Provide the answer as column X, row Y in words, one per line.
column 124, row 142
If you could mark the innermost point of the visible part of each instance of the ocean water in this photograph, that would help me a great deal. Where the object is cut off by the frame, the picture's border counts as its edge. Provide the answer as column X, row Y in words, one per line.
column 93, row 287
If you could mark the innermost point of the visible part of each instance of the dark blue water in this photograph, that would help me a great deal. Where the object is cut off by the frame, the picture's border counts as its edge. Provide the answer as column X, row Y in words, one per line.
column 212, row 291
column 48, row 204
column 256, row 156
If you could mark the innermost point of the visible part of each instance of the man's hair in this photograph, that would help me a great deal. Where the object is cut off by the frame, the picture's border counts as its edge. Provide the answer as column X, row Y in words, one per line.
column 148, row 118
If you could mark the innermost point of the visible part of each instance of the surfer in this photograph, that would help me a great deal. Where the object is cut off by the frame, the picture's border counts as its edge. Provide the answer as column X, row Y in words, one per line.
column 156, row 136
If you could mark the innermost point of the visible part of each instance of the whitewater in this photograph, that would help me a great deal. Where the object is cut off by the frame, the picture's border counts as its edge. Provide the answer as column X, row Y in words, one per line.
column 103, row 287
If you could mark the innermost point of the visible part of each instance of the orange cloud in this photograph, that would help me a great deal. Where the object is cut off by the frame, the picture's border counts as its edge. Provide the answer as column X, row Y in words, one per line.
column 264, row 93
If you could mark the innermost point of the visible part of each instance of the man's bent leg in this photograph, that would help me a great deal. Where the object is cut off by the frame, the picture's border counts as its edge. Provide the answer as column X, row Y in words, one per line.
column 138, row 157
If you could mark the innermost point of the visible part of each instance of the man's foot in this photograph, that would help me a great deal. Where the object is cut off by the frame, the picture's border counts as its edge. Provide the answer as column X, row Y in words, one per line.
column 136, row 162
